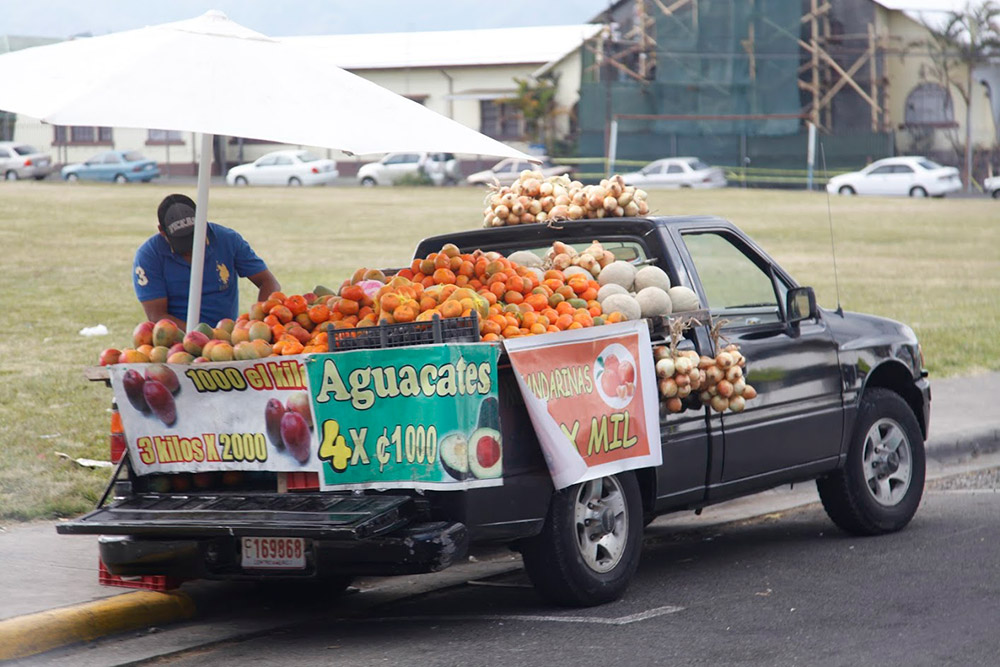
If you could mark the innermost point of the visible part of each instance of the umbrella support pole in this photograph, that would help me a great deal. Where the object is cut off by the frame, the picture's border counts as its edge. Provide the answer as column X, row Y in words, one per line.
column 200, row 230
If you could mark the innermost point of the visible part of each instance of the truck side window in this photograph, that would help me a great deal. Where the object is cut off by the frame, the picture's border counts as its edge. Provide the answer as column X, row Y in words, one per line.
column 737, row 289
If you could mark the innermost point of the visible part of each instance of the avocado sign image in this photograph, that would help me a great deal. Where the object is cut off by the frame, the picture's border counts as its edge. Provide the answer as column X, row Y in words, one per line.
column 422, row 417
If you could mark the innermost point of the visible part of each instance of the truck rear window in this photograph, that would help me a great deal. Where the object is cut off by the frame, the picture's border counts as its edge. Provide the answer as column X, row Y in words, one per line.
column 627, row 251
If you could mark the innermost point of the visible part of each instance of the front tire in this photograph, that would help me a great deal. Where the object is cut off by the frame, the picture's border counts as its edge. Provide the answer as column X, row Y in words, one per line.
column 120, row 179
column 996, row 193
column 846, row 190
column 11, row 175
column 368, row 182
column 879, row 488
column 72, row 178
column 240, row 180
column 590, row 545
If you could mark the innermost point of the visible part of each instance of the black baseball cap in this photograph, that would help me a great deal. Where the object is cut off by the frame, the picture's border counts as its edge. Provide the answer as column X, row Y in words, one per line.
column 176, row 216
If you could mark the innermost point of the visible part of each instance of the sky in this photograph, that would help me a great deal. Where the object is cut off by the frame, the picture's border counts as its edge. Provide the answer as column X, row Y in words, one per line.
column 65, row 18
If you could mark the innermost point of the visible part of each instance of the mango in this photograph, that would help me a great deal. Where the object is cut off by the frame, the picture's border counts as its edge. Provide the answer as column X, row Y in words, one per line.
column 295, row 435
column 166, row 333
column 226, row 323
column 260, row 331
column 133, row 357
column 181, row 357
column 299, row 402
column 133, row 384
column 160, row 401
column 158, row 355
column 194, row 342
column 143, row 334
column 165, row 376
column 244, row 350
column 205, row 329
column 273, row 412
column 221, row 351
column 109, row 356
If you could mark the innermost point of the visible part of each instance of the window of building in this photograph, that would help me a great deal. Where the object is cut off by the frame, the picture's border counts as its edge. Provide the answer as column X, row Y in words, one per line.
column 159, row 137
column 500, row 120
column 81, row 134
column 929, row 104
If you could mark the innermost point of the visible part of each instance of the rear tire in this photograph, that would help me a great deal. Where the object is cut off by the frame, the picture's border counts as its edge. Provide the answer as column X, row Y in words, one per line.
column 879, row 488
column 120, row 179
column 294, row 182
column 590, row 545
column 846, row 190
column 996, row 194
column 918, row 192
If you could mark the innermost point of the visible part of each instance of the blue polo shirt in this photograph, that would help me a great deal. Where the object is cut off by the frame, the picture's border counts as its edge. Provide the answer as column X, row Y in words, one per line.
column 157, row 272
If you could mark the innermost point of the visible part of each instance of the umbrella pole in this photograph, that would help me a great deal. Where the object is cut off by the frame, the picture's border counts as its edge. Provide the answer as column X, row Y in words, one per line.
column 200, row 229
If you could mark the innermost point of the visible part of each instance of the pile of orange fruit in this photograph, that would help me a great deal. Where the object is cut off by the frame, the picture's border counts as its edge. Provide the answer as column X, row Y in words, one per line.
column 509, row 299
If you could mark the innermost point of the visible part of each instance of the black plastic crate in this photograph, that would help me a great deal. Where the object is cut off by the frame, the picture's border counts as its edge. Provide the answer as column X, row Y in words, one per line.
column 437, row 330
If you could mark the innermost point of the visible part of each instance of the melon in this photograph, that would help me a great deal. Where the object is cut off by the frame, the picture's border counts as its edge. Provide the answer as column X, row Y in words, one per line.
column 525, row 258
column 624, row 304
column 608, row 290
column 683, row 299
column 653, row 301
column 571, row 270
column 651, row 276
column 618, row 272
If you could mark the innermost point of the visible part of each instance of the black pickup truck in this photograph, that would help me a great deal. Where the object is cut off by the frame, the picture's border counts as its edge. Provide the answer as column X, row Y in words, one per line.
column 842, row 398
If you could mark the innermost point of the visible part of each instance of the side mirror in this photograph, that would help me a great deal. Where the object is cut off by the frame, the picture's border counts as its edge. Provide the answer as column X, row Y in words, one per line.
column 801, row 304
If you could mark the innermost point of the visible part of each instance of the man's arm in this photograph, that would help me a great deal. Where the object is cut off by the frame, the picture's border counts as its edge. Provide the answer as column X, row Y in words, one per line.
column 266, row 283
column 156, row 310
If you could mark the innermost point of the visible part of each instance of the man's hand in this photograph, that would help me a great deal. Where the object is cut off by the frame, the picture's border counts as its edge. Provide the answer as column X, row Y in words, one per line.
column 266, row 283
column 156, row 310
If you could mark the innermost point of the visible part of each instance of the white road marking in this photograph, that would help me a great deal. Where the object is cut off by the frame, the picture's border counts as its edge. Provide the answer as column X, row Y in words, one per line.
column 621, row 620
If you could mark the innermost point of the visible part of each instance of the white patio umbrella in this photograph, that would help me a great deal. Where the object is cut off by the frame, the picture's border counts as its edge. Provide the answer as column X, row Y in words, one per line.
column 213, row 76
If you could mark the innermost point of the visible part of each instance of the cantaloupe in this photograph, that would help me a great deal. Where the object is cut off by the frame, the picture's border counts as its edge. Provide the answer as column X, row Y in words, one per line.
column 624, row 304
column 608, row 290
column 651, row 276
column 618, row 272
column 683, row 299
column 653, row 301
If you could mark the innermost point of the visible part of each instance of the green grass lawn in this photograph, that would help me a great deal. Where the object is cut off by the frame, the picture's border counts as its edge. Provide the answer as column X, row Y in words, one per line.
column 67, row 255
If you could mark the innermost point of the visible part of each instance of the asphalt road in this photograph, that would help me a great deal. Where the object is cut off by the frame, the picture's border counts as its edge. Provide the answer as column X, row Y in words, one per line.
column 785, row 588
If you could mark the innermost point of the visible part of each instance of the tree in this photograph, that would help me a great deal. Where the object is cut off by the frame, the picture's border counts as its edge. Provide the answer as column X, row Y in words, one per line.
column 968, row 38
column 536, row 100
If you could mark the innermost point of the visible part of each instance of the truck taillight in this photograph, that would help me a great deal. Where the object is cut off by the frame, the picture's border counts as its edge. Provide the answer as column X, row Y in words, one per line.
column 116, row 440
column 27, row 163
column 315, row 170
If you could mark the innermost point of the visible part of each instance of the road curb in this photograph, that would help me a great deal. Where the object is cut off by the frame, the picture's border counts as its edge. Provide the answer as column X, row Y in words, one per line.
column 32, row 634
column 24, row 636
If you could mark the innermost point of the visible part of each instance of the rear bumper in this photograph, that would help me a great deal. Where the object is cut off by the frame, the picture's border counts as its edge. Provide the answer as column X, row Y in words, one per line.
column 418, row 548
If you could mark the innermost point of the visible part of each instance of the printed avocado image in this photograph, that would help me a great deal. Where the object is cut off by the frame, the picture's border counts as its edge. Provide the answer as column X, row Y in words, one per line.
column 485, row 453
column 455, row 455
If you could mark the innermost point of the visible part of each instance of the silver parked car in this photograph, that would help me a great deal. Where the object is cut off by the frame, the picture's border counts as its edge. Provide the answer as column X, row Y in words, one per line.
column 677, row 172
column 19, row 160
column 441, row 168
column 289, row 167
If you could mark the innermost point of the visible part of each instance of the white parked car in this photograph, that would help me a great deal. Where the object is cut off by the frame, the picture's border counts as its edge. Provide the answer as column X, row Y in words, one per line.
column 18, row 160
column 291, row 167
column 991, row 186
column 914, row 176
column 441, row 168
column 677, row 172
column 506, row 171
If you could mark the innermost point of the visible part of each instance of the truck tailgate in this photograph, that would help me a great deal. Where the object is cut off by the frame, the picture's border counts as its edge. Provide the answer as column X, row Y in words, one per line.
column 313, row 515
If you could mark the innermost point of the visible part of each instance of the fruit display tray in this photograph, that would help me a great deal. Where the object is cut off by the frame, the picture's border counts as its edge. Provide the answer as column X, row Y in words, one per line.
column 437, row 330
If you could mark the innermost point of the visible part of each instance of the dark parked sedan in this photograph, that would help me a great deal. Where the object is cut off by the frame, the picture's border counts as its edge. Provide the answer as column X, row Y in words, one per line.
column 113, row 166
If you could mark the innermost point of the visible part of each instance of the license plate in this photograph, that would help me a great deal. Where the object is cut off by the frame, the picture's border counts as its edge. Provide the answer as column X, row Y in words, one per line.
column 274, row 553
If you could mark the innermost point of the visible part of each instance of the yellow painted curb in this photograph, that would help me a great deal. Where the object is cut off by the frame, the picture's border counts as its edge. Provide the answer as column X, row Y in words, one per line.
column 36, row 633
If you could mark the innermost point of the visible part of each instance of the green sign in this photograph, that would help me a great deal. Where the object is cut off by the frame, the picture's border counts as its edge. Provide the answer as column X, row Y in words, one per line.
column 422, row 417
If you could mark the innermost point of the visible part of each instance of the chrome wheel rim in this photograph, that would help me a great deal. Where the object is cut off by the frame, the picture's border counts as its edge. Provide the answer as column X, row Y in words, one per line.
column 601, row 522
column 887, row 462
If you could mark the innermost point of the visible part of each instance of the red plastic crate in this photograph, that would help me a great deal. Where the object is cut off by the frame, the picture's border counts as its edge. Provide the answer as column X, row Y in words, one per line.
column 302, row 481
column 149, row 582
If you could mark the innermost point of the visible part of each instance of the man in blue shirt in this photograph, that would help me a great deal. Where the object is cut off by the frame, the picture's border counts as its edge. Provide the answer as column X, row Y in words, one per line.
column 161, row 272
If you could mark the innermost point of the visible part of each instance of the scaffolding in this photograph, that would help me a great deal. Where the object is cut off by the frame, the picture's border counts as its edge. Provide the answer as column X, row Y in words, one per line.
column 725, row 70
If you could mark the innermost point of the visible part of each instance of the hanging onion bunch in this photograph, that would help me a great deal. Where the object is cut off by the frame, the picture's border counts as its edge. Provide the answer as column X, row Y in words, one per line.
column 725, row 388
column 534, row 198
